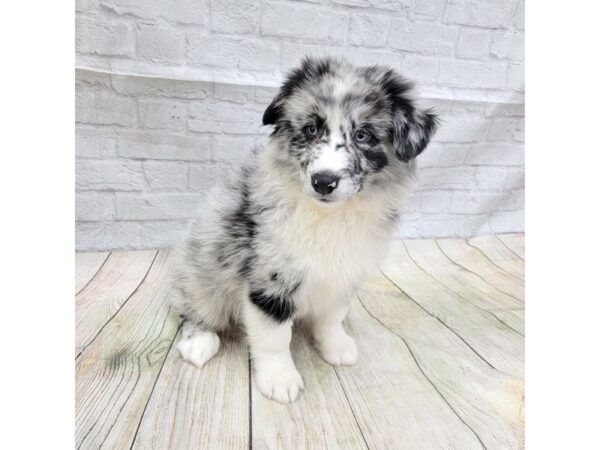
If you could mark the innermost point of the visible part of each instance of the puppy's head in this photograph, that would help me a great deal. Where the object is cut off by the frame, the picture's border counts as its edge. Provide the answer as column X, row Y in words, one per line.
column 346, row 127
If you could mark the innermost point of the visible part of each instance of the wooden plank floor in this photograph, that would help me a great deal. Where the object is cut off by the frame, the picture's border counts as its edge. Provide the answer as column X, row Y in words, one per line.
column 440, row 332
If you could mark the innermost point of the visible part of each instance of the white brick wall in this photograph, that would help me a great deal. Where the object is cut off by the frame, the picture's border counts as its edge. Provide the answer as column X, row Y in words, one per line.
column 169, row 97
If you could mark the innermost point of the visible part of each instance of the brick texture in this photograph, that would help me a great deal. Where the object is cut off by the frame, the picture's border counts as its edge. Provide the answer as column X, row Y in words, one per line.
column 169, row 97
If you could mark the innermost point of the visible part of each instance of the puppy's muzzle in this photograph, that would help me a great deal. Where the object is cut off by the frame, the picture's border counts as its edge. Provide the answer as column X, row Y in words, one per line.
column 324, row 182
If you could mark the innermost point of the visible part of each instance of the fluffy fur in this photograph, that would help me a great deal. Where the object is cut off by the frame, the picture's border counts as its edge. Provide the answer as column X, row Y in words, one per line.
column 293, row 232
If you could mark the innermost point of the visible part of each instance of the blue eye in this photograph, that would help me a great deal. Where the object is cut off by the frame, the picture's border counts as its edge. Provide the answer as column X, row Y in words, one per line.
column 311, row 130
column 362, row 136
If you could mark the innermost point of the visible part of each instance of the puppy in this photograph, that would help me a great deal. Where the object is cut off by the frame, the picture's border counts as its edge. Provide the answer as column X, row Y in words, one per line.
column 293, row 232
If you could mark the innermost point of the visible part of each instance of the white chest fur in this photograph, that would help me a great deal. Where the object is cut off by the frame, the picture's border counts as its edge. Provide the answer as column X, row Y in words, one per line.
column 334, row 249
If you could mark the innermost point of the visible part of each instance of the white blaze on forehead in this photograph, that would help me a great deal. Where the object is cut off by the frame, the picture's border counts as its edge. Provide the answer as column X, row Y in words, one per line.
column 334, row 122
column 330, row 158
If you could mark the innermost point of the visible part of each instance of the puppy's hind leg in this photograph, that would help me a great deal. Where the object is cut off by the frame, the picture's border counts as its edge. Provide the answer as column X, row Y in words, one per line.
column 197, row 345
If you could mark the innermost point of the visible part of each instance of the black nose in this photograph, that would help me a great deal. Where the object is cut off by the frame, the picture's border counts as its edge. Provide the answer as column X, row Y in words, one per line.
column 324, row 182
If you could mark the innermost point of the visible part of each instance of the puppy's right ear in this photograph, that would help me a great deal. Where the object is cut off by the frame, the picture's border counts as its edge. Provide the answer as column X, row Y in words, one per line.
column 310, row 69
column 273, row 112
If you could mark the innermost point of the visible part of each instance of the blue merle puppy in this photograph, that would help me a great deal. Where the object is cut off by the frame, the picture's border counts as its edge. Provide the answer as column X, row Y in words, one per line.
column 293, row 232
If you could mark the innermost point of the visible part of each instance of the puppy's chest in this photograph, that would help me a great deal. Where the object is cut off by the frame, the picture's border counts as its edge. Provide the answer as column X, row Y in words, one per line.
column 336, row 249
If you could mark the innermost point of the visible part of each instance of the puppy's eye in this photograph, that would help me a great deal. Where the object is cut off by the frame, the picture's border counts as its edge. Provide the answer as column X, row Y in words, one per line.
column 362, row 136
column 311, row 130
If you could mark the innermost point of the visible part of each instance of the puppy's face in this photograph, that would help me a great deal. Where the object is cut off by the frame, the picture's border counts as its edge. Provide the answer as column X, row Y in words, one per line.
column 346, row 128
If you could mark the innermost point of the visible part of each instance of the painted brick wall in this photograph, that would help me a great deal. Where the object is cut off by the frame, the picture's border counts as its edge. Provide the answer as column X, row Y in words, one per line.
column 169, row 97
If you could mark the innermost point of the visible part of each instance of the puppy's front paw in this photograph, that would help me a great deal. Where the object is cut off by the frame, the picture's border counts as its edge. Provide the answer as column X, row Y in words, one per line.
column 338, row 349
column 278, row 381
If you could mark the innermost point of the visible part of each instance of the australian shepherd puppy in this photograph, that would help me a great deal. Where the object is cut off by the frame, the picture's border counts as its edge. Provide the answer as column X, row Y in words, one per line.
column 292, row 232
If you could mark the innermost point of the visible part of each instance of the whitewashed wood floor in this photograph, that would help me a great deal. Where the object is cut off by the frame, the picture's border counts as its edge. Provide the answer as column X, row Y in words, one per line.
column 440, row 332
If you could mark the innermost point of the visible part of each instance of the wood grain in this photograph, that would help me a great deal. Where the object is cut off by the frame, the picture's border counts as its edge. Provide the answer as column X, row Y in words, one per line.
column 440, row 335
column 87, row 266
column 194, row 408
column 395, row 404
column 117, row 372
column 107, row 292
column 458, row 251
column 499, row 255
column 488, row 401
column 426, row 254
column 496, row 344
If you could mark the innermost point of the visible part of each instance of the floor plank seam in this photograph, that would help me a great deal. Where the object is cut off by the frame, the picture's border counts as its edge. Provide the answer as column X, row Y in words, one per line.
column 93, row 276
column 491, row 261
column 351, row 408
column 441, row 321
column 472, row 349
column 433, row 277
column 121, row 409
column 423, row 372
column 162, row 365
column 477, row 275
column 452, row 291
column 508, row 248
column 119, row 309
column 112, row 369
column 506, row 325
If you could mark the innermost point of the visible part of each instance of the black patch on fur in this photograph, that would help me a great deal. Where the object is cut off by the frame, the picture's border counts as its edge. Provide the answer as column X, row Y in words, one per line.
column 320, row 123
column 246, row 266
column 241, row 227
column 377, row 160
column 272, row 113
column 277, row 308
column 273, row 276
column 309, row 70
column 241, row 223
column 396, row 89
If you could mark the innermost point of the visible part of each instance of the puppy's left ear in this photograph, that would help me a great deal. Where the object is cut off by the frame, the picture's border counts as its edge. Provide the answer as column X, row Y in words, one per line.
column 412, row 128
column 413, row 132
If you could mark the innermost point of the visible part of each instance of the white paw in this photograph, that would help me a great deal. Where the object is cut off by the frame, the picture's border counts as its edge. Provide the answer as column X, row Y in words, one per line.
column 338, row 350
column 278, row 381
column 199, row 348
